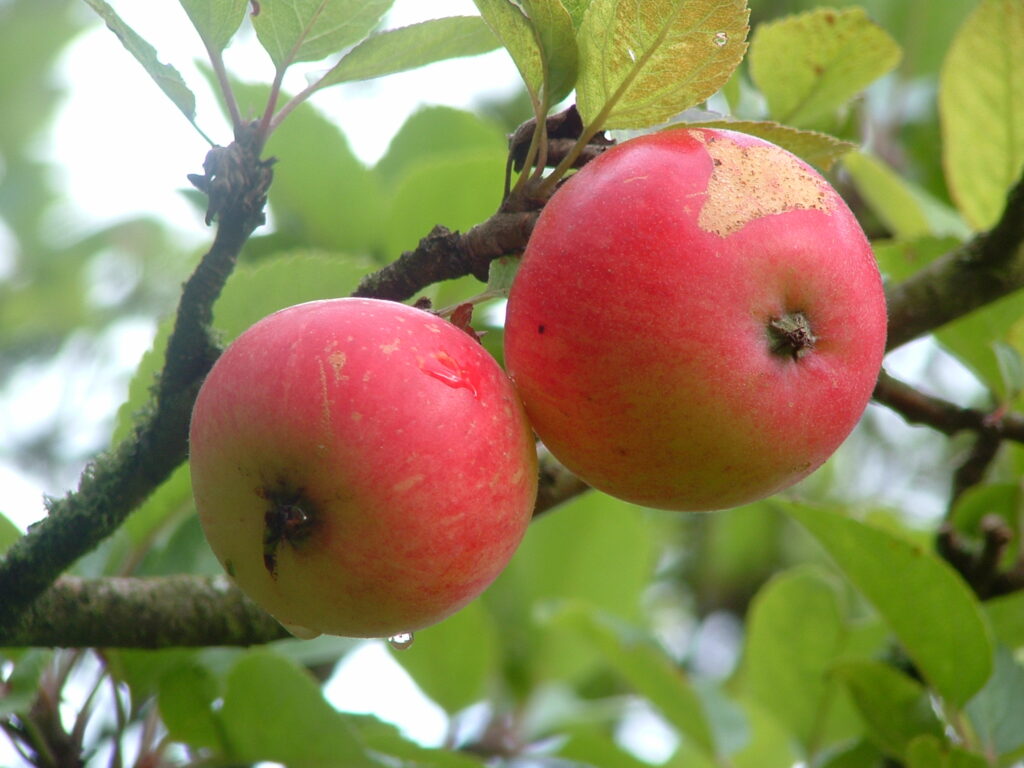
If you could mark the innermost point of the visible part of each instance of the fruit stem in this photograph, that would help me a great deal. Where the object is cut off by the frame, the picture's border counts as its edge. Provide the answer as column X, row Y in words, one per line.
column 791, row 335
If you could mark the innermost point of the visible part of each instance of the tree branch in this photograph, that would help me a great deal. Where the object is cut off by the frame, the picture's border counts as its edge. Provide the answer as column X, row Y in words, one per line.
column 946, row 417
column 236, row 181
column 987, row 267
column 157, row 612
column 446, row 255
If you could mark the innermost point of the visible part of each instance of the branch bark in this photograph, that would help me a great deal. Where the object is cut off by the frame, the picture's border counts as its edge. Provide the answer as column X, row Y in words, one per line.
column 157, row 612
column 984, row 269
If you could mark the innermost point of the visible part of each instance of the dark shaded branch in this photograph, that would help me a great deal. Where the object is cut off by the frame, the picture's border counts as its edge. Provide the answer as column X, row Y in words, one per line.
column 236, row 182
column 946, row 417
column 158, row 612
column 446, row 255
column 986, row 268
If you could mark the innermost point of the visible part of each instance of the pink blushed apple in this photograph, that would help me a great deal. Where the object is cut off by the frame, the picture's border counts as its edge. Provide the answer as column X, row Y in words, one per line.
column 361, row 467
column 698, row 320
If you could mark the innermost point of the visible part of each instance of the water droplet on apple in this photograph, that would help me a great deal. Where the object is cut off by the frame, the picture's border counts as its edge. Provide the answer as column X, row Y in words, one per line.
column 401, row 641
column 721, row 38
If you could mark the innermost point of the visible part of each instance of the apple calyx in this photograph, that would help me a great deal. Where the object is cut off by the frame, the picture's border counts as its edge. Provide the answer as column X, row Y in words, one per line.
column 791, row 335
column 287, row 521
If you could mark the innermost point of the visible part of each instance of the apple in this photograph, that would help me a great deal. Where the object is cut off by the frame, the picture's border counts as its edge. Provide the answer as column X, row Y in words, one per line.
column 360, row 467
column 697, row 322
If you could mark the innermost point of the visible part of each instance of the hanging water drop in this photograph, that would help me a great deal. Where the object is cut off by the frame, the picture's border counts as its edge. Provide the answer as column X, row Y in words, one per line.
column 401, row 641
column 721, row 38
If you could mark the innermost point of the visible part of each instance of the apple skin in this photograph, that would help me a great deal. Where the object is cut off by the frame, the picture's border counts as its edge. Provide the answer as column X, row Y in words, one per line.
column 637, row 329
column 361, row 467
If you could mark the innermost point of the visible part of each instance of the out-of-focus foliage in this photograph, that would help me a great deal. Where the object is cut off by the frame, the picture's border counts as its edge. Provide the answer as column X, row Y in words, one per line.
column 818, row 628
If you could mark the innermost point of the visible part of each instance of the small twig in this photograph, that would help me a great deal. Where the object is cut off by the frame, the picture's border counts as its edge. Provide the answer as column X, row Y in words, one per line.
column 980, row 567
column 446, row 255
column 972, row 470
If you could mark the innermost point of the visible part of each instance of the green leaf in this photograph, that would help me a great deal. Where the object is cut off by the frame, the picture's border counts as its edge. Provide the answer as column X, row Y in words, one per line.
column 511, row 26
column 889, row 195
column 981, row 109
column 452, row 662
column 645, row 667
column 973, row 338
column 387, row 740
column 929, row 752
column 795, row 632
column 9, row 533
column 899, row 260
column 644, row 61
column 862, row 754
column 565, row 556
column 1006, row 615
column 925, row 602
column 405, row 48
column 998, row 711
column 895, row 708
column 556, row 36
column 164, row 75
column 310, row 30
column 501, row 273
column 434, row 131
column 814, row 147
column 253, row 292
column 274, row 710
column 22, row 685
column 185, row 698
column 809, row 65
column 472, row 184
column 322, row 193
column 594, row 746
column 216, row 21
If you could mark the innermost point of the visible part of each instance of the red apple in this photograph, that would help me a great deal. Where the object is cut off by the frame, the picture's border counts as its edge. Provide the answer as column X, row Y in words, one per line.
column 361, row 467
column 698, row 320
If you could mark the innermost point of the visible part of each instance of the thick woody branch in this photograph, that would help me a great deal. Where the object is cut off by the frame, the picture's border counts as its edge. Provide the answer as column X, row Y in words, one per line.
column 984, row 269
column 142, row 613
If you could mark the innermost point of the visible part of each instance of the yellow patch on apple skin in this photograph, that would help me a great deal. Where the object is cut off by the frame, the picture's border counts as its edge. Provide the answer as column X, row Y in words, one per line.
column 387, row 349
column 750, row 182
column 337, row 361
column 404, row 485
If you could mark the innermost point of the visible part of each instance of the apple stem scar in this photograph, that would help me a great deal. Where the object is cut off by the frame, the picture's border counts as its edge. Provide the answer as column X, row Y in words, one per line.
column 791, row 335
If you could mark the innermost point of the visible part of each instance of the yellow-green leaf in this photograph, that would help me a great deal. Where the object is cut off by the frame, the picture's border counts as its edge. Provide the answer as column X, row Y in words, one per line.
column 890, row 196
column 310, row 30
column 981, row 109
column 816, row 148
column 404, row 48
column 644, row 61
column 510, row 25
column 809, row 65
column 556, row 36
column 216, row 21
